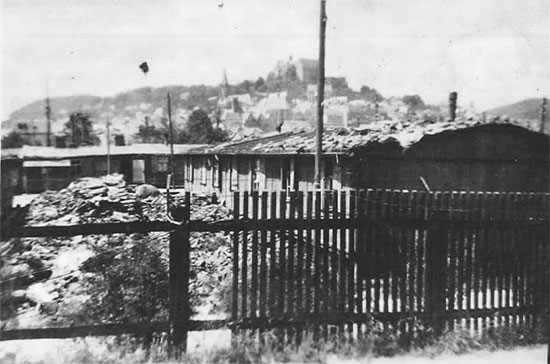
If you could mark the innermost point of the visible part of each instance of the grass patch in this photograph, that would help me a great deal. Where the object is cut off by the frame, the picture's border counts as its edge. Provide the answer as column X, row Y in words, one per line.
column 377, row 340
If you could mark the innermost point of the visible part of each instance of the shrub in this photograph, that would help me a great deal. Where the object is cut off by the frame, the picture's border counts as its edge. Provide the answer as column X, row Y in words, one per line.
column 130, row 283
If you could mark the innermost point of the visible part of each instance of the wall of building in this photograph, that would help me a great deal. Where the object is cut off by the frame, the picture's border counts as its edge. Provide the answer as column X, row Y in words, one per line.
column 12, row 180
column 480, row 159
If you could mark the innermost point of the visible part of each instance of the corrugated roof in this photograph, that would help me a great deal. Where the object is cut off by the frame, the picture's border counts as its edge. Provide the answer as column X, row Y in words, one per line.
column 33, row 152
column 344, row 141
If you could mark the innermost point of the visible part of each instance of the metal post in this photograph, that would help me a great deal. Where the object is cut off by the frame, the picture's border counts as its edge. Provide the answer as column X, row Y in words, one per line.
column 320, row 95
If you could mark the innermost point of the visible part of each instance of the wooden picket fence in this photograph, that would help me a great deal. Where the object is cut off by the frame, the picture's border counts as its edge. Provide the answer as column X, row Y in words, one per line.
column 329, row 262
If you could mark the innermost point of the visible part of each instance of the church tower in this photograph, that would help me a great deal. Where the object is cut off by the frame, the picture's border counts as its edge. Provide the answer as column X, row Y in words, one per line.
column 224, row 86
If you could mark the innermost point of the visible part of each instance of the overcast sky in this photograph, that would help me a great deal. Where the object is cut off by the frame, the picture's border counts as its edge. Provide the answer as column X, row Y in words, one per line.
column 491, row 51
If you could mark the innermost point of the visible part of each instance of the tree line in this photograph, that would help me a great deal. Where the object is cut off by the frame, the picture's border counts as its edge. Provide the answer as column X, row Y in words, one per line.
column 79, row 131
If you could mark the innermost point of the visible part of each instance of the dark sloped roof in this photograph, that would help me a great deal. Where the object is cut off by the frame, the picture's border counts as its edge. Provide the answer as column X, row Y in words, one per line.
column 344, row 141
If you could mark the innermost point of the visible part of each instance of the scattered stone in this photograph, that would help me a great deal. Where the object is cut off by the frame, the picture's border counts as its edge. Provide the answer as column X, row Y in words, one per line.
column 146, row 190
column 48, row 308
column 16, row 274
column 19, row 298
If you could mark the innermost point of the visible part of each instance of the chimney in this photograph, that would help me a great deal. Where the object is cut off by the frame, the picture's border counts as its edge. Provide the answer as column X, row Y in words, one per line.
column 543, row 113
column 452, row 105
column 119, row 140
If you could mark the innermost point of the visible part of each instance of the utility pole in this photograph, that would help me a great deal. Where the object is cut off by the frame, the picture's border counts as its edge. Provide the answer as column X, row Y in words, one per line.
column 320, row 95
column 108, row 148
column 543, row 113
column 49, row 122
column 171, row 160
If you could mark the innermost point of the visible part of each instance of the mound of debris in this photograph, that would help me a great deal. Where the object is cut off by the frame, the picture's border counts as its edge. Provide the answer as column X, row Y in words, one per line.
column 110, row 199
column 87, row 200
column 40, row 282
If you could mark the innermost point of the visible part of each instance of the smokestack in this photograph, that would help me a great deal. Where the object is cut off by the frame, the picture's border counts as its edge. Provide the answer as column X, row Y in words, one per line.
column 452, row 105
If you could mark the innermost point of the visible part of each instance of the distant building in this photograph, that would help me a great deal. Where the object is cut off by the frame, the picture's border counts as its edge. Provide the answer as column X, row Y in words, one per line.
column 34, row 169
column 307, row 70
column 311, row 92
column 336, row 112
column 35, row 131
column 275, row 107
column 224, row 86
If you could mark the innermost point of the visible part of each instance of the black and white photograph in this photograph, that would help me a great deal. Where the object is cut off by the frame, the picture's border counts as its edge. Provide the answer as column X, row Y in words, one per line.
column 275, row 181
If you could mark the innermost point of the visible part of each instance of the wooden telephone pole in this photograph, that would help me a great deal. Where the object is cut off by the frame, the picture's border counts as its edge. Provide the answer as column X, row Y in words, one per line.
column 171, row 160
column 49, row 122
column 108, row 147
column 320, row 95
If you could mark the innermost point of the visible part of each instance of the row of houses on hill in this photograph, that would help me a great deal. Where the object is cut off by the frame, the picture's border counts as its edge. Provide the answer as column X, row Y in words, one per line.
column 463, row 155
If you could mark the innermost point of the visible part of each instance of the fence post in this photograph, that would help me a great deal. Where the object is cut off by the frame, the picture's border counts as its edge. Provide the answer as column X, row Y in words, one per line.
column 436, row 263
column 179, row 279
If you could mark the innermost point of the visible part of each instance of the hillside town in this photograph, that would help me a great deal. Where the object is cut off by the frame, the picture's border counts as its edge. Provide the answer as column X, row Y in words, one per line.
column 73, row 144
column 284, row 102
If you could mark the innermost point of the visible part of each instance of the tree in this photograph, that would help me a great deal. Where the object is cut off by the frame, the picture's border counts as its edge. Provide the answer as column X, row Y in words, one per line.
column 80, row 130
column 13, row 140
column 151, row 134
column 414, row 102
column 200, row 130
column 370, row 94
column 259, row 85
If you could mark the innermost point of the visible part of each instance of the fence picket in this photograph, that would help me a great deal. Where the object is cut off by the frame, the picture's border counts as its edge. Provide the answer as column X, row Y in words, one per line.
column 244, row 270
column 300, row 269
column 273, row 278
column 263, row 257
column 352, row 255
column 310, row 297
column 283, row 274
column 365, row 248
column 316, row 256
column 411, row 255
column 254, row 266
column 236, row 262
column 334, row 254
column 343, row 262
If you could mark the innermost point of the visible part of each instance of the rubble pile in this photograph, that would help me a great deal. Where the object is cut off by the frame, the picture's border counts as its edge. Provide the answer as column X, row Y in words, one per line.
column 38, row 275
column 87, row 200
column 110, row 199
column 205, row 207
column 32, row 265
column 210, row 274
